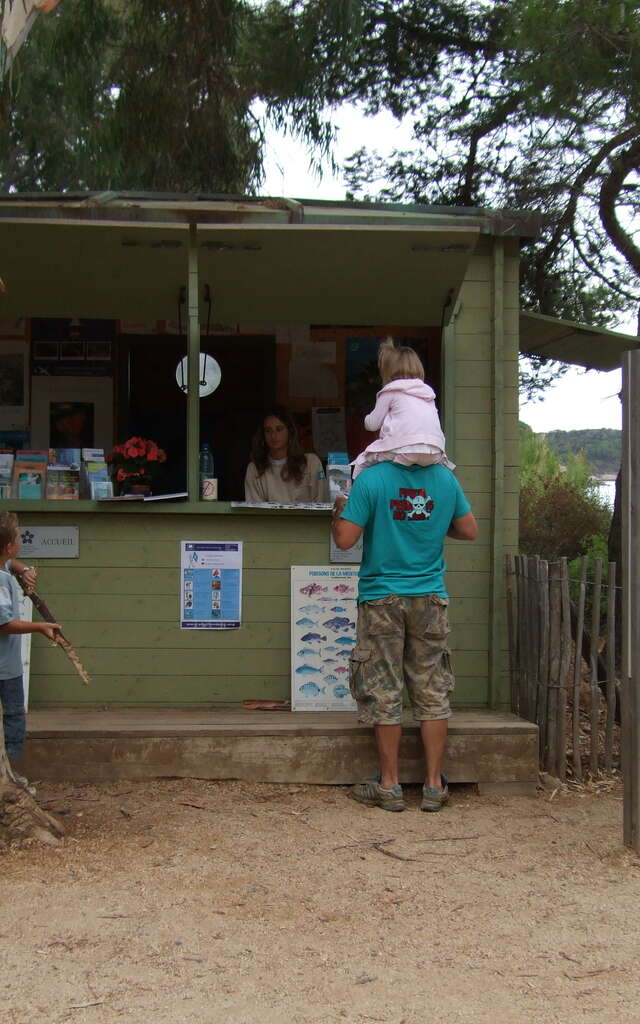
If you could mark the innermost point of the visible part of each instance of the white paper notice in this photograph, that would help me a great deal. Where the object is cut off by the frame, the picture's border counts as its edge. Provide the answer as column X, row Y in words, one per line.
column 323, row 633
column 210, row 584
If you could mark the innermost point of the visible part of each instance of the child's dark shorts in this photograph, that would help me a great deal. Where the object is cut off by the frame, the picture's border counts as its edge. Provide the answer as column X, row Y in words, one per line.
column 402, row 640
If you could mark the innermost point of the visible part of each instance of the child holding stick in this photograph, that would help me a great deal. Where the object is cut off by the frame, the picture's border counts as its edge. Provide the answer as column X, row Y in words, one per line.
column 11, row 630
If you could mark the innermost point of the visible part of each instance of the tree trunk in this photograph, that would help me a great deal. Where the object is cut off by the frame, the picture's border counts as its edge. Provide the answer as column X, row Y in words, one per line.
column 20, row 816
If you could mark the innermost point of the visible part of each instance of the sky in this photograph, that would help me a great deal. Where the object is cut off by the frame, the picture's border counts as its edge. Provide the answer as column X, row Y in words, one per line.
column 580, row 400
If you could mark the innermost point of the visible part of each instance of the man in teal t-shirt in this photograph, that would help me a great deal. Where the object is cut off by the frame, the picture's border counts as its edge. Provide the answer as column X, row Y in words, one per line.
column 405, row 513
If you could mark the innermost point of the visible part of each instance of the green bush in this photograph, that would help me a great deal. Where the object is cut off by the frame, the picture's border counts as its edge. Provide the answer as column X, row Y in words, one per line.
column 561, row 511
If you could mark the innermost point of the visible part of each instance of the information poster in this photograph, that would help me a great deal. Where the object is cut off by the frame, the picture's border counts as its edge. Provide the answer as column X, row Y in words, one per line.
column 210, row 584
column 324, row 609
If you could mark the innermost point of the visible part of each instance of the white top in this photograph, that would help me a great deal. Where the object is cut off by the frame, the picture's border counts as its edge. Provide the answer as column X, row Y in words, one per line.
column 271, row 487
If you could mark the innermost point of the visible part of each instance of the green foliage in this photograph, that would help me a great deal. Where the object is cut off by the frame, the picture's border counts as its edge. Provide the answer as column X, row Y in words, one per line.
column 561, row 511
column 156, row 95
column 602, row 448
column 503, row 117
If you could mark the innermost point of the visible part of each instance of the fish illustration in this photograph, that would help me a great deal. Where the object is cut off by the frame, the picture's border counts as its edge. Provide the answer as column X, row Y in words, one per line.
column 313, row 588
column 307, row 670
column 344, row 640
column 337, row 608
column 310, row 609
column 326, row 599
column 330, row 679
column 332, row 648
column 340, row 690
column 308, row 637
column 330, row 661
column 305, row 622
column 337, row 622
column 342, row 669
column 311, row 689
column 307, row 652
column 342, row 588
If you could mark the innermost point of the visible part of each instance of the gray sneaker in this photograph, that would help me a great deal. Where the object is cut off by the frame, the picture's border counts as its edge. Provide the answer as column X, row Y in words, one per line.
column 373, row 794
column 20, row 779
column 434, row 799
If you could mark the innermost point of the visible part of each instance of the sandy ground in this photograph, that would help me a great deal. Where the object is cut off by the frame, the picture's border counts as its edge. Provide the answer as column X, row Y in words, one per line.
column 197, row 901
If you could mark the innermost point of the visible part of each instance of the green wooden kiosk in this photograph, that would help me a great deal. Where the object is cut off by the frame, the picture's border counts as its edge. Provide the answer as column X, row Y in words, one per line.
column 265, row 286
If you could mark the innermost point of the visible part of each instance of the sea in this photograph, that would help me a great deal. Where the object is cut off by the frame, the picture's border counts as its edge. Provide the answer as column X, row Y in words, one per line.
column 607, row 489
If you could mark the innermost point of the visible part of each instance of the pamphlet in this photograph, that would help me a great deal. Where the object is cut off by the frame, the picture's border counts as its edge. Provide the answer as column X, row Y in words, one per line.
column 63, row 483
column 210, row 584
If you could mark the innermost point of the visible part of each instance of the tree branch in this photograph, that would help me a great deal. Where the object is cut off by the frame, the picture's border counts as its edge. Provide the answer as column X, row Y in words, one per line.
column 621, row 166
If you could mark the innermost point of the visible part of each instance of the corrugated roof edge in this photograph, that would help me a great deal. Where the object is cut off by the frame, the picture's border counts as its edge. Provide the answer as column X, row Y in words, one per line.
column 510, row 223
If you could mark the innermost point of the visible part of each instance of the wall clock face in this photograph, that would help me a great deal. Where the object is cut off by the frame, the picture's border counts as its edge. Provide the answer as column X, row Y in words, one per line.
column 210, row 374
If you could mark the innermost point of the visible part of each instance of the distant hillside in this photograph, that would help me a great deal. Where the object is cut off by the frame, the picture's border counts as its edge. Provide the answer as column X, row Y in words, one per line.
column 602, row 448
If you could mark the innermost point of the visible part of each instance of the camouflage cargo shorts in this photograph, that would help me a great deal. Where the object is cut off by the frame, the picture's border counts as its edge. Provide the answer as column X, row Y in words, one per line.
column 402, row 640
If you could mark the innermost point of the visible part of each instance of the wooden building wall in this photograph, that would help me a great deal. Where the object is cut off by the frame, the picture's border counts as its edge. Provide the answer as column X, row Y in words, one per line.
column 119, row 600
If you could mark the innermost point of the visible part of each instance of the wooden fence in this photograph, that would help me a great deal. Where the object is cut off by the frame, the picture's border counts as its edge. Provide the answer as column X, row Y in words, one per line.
column 549, row 620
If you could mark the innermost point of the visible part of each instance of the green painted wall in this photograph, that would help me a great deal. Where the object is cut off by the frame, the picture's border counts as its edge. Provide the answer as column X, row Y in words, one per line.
column 119, row 606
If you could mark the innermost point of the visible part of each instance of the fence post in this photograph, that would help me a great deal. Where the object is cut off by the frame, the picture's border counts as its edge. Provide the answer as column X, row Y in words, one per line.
column 631, row 596
column 543, row 657
column 565, row 661
column 523, row 636
column 534, row 633
column 593, row 666
column 577, row 673
column 554, row 666
column 512, row 627
column 611, row 667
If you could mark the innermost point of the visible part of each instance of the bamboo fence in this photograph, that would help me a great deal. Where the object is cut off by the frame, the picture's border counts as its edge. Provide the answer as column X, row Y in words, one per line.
column 550, row 630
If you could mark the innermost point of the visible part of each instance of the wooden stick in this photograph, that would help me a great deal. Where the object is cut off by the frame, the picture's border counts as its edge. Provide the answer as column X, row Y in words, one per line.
column 59, row 636
column 577, row 673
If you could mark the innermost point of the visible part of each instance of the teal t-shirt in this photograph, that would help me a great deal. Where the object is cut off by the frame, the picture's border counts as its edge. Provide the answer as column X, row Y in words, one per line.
column 406, row 512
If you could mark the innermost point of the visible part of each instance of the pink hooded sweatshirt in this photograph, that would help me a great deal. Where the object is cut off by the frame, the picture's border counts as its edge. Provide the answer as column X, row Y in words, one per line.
column 406, row 414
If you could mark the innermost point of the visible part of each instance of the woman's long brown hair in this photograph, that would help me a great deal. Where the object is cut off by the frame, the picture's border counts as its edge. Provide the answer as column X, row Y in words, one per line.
column 295, row 465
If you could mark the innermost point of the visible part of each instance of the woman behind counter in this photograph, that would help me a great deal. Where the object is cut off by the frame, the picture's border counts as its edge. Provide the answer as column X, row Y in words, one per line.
column 279, row 470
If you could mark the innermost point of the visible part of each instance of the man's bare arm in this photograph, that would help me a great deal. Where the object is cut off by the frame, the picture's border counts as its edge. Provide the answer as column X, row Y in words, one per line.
column 463, row 528
column 345, row 533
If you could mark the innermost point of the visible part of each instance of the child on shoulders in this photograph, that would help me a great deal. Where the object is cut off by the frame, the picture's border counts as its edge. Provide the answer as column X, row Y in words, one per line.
column 405, row 414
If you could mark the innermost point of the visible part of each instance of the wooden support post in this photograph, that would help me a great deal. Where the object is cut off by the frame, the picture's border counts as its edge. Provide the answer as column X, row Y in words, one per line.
column 611, row 667
column 193, row 371
column 631, row 597
column 593, row 666
column 496, row 539
column 577, row 673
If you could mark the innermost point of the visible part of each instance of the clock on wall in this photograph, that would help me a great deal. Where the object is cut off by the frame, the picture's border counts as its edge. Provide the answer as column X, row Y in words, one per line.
column 210, row 374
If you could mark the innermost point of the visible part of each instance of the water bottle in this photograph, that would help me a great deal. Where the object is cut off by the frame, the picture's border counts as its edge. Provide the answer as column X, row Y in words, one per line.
column 206, row 466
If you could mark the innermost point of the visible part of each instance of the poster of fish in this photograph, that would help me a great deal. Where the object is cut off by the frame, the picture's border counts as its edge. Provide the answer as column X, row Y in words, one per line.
column 324, row 610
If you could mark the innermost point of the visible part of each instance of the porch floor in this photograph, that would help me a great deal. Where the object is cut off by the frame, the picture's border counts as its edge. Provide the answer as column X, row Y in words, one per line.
column 495, row 749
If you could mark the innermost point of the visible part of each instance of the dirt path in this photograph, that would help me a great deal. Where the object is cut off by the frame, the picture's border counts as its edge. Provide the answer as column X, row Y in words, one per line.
column 230, row 902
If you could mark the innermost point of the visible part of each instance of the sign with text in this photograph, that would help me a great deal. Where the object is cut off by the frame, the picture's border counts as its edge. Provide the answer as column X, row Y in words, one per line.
column 49, row 542
column 210, row 584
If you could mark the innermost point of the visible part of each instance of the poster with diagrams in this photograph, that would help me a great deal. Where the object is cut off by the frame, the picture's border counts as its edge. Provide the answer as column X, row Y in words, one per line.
column 210, row 584
column 324, row 610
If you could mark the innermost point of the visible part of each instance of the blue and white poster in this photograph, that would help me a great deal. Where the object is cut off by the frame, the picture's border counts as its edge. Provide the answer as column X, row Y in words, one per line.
column 324, row 611
column 210, row 584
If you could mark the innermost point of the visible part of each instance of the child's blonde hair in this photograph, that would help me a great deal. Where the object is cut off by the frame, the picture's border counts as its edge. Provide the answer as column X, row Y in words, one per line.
column 398, row 362
column 8, row 529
